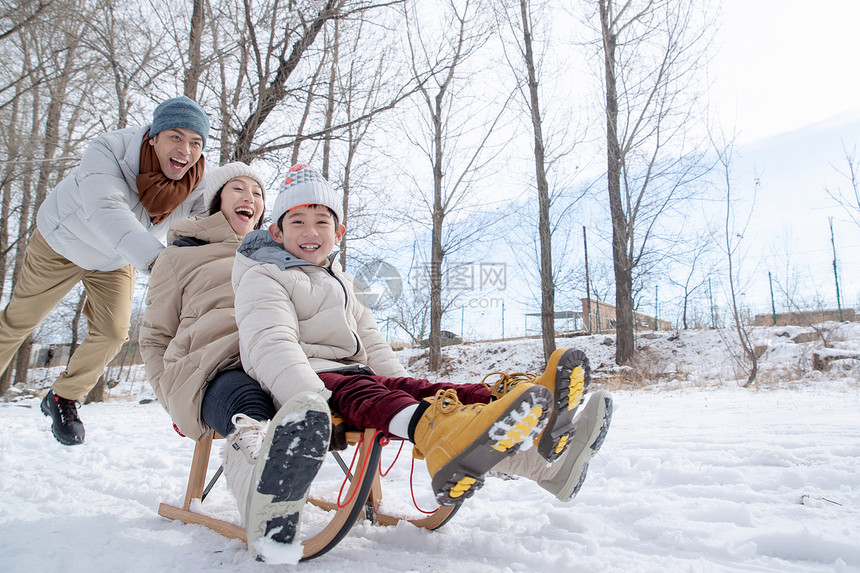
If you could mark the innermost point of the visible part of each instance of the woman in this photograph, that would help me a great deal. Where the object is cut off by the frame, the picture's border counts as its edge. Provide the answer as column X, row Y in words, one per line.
column 190, row 346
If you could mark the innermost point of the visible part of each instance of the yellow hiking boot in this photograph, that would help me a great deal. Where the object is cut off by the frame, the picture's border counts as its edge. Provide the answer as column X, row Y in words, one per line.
column 567, row 375
column 461, row 443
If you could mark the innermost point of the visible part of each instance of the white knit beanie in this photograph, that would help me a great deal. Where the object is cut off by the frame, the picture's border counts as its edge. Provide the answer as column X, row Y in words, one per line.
column 306, row 186
column 218, row 177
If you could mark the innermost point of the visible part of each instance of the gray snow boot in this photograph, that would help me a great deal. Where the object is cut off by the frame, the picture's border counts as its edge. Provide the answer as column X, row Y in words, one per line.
column 565, row 476
column 567, row 375
column 270, row 467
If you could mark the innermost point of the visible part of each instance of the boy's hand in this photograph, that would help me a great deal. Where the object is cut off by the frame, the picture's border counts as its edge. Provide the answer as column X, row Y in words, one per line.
column 338, row 434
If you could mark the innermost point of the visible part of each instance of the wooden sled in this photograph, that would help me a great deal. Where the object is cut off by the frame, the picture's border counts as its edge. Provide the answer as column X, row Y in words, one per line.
column 364, row 498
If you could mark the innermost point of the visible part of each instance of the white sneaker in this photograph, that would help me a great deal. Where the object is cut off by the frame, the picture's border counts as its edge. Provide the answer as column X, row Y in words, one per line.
column 239, row 456
column 288, row 460
column 565, row 477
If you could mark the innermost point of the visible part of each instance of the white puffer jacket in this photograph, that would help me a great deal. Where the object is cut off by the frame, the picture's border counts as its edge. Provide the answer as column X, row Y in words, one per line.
column 94, row 218
column 296, row 318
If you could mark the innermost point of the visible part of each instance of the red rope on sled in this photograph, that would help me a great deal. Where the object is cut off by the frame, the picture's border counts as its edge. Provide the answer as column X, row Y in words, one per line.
column 359, row 477
column 385, row 473
column 412, row 491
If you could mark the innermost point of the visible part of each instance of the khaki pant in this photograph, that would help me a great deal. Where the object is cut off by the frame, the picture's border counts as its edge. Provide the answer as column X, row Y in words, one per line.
column 45, row 279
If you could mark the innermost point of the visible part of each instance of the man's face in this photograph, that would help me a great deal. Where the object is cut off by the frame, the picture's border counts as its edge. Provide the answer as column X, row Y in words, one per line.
column 177, row 150
column 308, row 233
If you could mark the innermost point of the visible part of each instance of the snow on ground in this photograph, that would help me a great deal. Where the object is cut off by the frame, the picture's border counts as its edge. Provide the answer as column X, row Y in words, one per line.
column 696, row 474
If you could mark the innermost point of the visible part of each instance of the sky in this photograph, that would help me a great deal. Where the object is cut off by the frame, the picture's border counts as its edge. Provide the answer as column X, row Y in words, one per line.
column 784, row 64
column 783, row 77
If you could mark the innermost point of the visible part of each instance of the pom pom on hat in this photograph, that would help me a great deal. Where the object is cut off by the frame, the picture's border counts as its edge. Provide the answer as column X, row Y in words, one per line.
column 218, row 177
column 305, row 185
column 182, row 112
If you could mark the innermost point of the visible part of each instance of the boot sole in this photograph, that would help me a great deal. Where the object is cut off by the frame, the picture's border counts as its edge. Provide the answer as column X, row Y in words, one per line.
column 596, row 436
column 461, row 477
column 572, row 377
column 292, row 454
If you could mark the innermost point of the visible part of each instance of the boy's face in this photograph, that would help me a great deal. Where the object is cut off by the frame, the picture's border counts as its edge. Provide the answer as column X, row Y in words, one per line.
column 308, row 232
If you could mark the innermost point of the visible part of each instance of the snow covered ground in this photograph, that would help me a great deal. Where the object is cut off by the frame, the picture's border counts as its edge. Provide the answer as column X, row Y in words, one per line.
column 696, row 474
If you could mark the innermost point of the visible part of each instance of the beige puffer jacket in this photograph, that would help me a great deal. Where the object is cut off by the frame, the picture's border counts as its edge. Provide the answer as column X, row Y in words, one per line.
column 296, row 318
column 189, row 329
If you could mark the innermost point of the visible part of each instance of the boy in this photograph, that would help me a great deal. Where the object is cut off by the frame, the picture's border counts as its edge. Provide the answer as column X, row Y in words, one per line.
column 302, row 328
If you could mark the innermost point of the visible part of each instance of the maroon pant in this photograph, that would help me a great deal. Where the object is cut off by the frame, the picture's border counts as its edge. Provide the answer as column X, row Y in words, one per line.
column 368, row 401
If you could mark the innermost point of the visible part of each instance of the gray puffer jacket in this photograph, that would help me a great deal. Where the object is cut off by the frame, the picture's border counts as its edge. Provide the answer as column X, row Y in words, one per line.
column 296, row 318
column 94, row 218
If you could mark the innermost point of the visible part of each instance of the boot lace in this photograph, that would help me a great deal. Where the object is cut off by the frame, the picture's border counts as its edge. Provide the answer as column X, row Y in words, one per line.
column 506, row 382
column 68, row 410
column 249, row 434
column 446, row 401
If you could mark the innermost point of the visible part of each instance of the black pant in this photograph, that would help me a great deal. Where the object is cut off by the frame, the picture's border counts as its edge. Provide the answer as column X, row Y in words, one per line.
column 234, row 392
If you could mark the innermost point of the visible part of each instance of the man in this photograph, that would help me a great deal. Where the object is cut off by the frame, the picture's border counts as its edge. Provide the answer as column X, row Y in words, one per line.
column 102, row 223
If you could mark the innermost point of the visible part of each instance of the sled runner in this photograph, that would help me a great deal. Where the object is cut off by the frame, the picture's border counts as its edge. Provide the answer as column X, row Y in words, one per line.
column 362, row 497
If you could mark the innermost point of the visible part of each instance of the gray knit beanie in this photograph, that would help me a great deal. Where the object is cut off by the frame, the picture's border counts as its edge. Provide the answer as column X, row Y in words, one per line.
column 218, row 177
column 181, row 112
column 306, row 186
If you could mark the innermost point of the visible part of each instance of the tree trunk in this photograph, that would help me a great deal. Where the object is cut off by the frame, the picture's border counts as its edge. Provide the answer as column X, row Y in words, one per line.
column 329, row 107
column 587, row 316
column 9, row 174
column 623, row 270
column 347, row 172
column 22, row 361
column 76, row 322
column 437, row 253
column 6, row 380
column 192, row 74
column 547, row 283
column 97, row 393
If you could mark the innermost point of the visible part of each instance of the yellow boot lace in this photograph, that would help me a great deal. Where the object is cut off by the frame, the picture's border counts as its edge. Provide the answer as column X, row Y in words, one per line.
column 444, row 402
column 506, row 382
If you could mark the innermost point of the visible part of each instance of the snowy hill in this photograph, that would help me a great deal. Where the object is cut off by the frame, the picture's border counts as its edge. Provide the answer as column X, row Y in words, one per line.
column 697, row 474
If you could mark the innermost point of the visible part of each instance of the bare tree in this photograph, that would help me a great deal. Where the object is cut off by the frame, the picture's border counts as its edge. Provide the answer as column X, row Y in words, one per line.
column 56, row 51
column 275, row 62
column 19, row 15
column 521, row 18
column 652, row 50
column 456, row 145
column 131, row 54
column 65, row 51
column 532, row 98
column 412, row 310
column 734, row 229
column 362, row 82
column 691, row 269
column 264, row 67
column 848, row 199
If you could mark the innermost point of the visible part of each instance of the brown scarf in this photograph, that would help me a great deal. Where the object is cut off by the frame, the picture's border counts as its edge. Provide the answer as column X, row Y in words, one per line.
column 160, row 195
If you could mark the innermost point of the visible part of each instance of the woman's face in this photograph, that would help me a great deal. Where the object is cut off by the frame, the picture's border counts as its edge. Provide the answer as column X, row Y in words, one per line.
column 242, row 204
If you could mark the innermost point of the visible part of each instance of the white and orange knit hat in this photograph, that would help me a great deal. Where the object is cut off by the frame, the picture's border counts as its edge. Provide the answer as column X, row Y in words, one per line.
column 305, row 185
